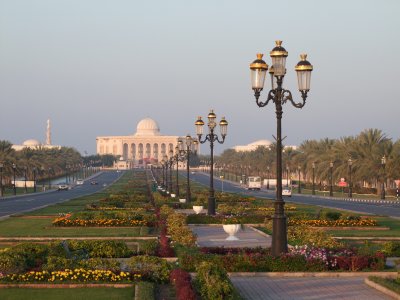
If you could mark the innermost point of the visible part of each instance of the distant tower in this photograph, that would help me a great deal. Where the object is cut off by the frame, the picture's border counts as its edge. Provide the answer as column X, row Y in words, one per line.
column 48, row 133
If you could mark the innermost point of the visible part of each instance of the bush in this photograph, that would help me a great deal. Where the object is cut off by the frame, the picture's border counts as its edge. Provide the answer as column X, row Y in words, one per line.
column 332, row 215
column 101, row 248
column 11, row 262
column 150, row 267
column 213, row 283
column 391, row 249
column 148, row 247
column 183, row 286
column 179, row 231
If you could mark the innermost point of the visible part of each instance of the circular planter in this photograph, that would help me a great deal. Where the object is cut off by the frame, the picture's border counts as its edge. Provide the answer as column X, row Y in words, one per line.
column 231, row 230
column 197, row 208
column 173, row 195
column 182, row 200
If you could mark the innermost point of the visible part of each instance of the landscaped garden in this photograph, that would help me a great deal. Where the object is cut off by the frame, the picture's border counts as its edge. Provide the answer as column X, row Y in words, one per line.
column 134, row 237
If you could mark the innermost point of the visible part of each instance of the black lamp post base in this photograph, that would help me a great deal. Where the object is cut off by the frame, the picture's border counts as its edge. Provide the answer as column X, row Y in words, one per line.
column 211, row 206
column 279, row 235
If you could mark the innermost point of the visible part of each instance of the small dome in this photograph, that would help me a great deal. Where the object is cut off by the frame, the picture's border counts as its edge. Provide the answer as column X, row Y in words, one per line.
column 147, row 126
column 31, row 143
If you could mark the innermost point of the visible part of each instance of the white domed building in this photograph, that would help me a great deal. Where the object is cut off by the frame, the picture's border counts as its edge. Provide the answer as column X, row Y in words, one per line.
column 145, row 146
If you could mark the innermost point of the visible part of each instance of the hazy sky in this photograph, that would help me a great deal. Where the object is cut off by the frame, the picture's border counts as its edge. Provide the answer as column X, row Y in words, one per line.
column 97, row 67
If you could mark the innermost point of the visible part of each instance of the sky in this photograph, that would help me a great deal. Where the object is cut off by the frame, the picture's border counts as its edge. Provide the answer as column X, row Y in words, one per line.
column 97, row 67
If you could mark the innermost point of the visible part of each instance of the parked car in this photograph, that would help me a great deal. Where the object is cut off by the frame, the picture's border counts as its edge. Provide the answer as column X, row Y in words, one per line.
column 79, row 181
column 63, row 187
column 287, row 192
column 93, row 182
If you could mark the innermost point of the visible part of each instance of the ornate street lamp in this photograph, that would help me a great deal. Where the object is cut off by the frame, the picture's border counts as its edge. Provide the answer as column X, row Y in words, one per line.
column 350, row 163
column 189, row 141
column 268, row 170
column 331, row 179
column 34, row 179
column 279, row 96
column 15, row 187
column 176, row 158
column 313, row 178
column 383, row 163
column 163, row 165
column 299, row 187
column 211, row 137
column 1, row 179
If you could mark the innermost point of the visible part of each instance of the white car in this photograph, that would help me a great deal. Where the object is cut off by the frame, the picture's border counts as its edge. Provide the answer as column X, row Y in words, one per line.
column 287, row 192
column 63, row 187
column 79, row 181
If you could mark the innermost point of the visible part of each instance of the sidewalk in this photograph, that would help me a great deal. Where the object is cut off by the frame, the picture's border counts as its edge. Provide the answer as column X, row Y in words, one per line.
column 287, row 286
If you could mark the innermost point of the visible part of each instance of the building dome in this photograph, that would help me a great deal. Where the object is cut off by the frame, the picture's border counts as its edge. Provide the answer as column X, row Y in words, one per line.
column 265, row 143
column 147, row 126
column 31, row 143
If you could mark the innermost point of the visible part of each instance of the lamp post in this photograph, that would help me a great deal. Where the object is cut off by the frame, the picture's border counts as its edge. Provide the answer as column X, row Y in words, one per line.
column 189, row 142
column 170, row 164
column 15, row 187
column 163, row 170
column 211, row 137
column 287, row 175
column 279, row 96
column 1, row 179
column 268, row 170
column 331, row 179
column 49, row 179
column 176, row 159
column 350, row 163
column 34, row 179
column 43, row 178
column 299, row 187
column 383, row 163
column 313, row 178
column 66, row 173
column 26, row 188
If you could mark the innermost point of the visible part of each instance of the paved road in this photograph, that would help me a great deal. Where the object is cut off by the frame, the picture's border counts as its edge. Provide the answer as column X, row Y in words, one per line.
column 392, row 210
column 29, row 202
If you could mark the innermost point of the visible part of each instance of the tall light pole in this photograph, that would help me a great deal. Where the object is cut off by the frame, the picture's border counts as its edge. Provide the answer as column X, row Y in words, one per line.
column 279, row 96
column 189, row 141
column 287, row 175
column 313, row 178
column 350, row 163
column 383, row 163
column 49, row 179
column 43, row 179
column 170, row 164
column 268, row 170
column 1, row 179
column 299, row 187
column 331, row 178
column 15, row 187
column 25, row 170
column 34, row 179
column 212, row 138
column 176, row 158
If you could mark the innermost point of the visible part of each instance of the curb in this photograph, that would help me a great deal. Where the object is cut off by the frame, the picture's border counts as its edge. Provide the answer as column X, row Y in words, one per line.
column 313, row 274
column 65, row 286
column 382, row 289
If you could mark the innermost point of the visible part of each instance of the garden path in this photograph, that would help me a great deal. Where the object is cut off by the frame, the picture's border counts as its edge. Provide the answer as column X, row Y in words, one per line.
column 215, row 236
column 283, row 288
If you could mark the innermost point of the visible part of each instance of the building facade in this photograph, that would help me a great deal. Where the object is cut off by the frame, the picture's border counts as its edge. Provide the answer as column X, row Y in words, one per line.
column 146, row 146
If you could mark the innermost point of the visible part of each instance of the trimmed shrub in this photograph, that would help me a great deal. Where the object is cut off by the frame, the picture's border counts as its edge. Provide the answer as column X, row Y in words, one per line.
column 183, row 286
column 150, row 267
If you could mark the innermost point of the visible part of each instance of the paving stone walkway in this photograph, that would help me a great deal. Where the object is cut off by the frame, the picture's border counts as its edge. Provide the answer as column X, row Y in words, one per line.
column 266, row 288
column 215, row 236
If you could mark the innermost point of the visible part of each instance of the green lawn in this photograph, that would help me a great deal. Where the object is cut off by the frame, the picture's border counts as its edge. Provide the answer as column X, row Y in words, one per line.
column 21, row 227
column 100, row 293
column 393, row 224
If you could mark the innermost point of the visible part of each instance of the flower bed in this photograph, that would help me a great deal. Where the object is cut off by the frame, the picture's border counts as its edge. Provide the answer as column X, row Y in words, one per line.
column 73, row 276
column 219, row 219
column 301, row 259
column 334, row 223
column 67, row 222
